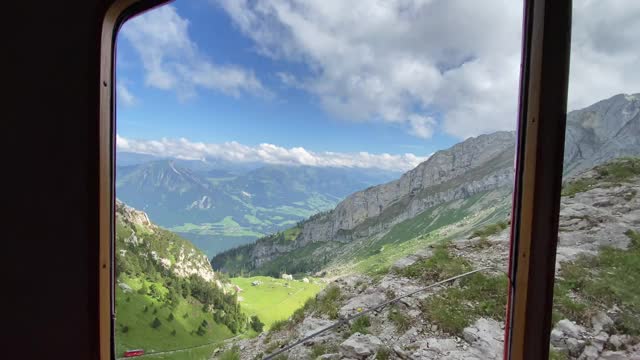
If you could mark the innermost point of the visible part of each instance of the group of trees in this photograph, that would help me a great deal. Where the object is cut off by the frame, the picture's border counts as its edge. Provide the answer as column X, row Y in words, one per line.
column 225, row 307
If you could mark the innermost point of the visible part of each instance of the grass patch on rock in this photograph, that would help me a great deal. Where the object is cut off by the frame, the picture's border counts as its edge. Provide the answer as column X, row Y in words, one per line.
column 489, row 230
column 400, row 320
column 616, row 171
column 441, row 265
column 477, row 296
column 360, row 325
column 593, row 283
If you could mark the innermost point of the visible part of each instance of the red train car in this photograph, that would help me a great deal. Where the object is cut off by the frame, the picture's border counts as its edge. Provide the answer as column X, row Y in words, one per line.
column 133, row 353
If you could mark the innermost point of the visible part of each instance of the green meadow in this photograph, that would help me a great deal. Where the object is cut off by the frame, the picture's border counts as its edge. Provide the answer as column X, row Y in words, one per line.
column 175, row 328
column 274, row 299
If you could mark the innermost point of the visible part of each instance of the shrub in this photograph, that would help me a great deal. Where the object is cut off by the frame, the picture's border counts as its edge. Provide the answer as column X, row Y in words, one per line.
column 321, row 349
column 399, row 319
column 124, row 329
column 360, row 325
column 489, row 230
column 256, row 324
column 143, row 290
column 171, row 317
column 231, row 354
column 156, row 323
column 173, row 332
column 279, row 325
column 329, row 303
column 383, row 354
column 201, row 331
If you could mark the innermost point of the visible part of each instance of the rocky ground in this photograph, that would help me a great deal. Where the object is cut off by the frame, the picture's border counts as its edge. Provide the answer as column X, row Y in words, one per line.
column 589, row 220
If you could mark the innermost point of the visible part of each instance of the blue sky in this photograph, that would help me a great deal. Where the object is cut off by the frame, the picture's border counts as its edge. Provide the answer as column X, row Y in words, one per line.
column 359, row 83
column 289, row 117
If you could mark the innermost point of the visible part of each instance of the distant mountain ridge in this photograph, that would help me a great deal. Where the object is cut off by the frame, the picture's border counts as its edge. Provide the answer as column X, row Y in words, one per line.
column 218, row 208
column 479, row 168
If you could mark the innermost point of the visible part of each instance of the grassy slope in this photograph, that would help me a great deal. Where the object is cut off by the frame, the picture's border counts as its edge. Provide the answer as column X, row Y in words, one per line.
column 377, row 254
column 130, row 310
column 136, row 311
column 271, row 300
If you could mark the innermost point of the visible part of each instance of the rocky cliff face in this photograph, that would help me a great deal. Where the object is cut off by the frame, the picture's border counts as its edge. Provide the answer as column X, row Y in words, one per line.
column 477, row 164
column 137, row 236
column 606, row 130
column 603, row 131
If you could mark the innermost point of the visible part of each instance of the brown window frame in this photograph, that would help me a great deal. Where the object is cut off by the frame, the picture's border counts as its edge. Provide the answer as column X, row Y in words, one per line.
column 536, row 199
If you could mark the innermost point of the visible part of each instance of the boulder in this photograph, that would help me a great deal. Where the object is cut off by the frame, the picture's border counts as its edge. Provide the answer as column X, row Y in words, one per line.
column 362, row 302
column 569, row 328
column 615, row 355
column 590, row 352
column 618, row 342
column 335, row 356
column 600, row 340
column 359, row 346
column 125, row 288
column 575, row 346
column 486, row 337
column 557, row 337
column 403, row 263
column 601, row 321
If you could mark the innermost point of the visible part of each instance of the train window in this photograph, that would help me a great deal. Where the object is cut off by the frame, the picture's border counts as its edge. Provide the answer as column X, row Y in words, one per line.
column 596, row 303
column 297, row 179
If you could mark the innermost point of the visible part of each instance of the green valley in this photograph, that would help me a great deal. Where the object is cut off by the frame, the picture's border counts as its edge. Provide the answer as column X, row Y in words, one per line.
column 274, row 299
column 221, row 208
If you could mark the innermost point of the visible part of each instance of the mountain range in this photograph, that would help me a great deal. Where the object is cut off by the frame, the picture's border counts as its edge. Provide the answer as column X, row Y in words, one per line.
column 469, row 185
column 219, row 205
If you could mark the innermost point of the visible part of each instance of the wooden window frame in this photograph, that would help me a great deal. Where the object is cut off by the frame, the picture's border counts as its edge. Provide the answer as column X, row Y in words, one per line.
column 119, row 12
column 536, row 199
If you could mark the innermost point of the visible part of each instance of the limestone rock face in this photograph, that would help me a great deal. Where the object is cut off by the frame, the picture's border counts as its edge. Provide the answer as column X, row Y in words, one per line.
column 472, row 166
column 603, row 131
column 359, row 346
column 133, row 216
column 186, row 259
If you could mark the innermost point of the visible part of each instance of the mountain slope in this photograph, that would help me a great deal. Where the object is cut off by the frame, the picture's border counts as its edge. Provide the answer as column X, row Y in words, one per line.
column 603, row 131
column 477, row 167
column 596, row 304
column 218, row 208
column 167, row 295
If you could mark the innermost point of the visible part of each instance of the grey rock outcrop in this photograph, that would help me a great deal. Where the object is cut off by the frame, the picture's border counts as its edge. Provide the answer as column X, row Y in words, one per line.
column 475, row 165
column 359, row 346
column 596, row 134
column 603, row 131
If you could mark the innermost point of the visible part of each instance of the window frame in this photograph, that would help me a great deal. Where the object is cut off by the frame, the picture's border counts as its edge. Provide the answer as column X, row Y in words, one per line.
column 543, row 90
column 116, row 15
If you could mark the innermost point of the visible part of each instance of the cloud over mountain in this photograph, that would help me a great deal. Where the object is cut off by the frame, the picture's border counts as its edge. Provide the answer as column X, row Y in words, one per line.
column 267, row 153
column 456, row 61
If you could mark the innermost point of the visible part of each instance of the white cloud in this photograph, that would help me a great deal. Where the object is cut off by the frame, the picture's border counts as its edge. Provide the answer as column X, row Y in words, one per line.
column 397, row 61
column 421, row 126
column 172, row 61
column 267, row 153
column 460, row 59
column 124, row 95
column 605, row 52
